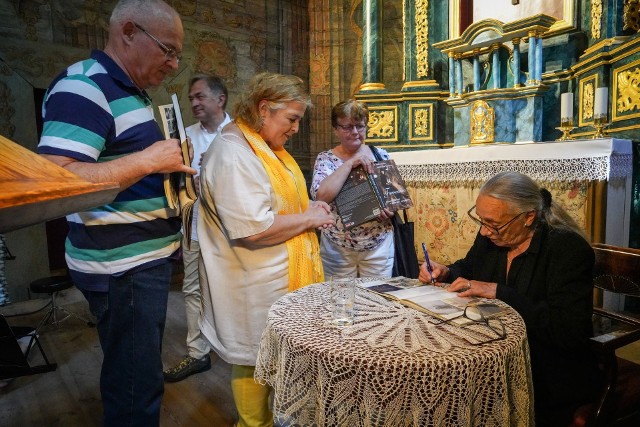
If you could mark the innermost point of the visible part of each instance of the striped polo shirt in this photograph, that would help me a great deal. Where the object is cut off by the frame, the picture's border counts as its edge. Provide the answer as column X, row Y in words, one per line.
column 94, row 113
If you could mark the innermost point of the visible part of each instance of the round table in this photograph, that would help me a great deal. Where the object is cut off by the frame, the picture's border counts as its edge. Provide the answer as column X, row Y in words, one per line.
column 394, row 366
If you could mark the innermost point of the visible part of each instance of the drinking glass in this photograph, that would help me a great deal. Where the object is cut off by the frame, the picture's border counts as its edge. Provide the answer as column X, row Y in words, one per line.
column 342, row 300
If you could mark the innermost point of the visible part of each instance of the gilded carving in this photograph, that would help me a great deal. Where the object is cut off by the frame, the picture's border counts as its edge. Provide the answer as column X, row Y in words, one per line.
column 596, row 18
column 588, row 95
column 422, row 38
column 628, row 93
column 422, row 122
column 421, row 119
column 482, row 123
column 381, row 124
column 586, row 99
column 631, row 15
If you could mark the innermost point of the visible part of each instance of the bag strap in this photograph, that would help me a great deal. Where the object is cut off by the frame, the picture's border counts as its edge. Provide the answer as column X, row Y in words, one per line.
column 376, row 153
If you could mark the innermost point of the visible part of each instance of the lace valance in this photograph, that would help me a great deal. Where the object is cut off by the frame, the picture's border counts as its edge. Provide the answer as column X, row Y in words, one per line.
column 596, row 160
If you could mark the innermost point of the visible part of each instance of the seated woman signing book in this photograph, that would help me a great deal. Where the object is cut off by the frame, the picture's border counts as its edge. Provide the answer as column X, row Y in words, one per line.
column 366, row 249
column 530, row 254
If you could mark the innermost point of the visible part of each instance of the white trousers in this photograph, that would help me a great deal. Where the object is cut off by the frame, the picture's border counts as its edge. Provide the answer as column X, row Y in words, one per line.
column 339, row 261
column 197, row 346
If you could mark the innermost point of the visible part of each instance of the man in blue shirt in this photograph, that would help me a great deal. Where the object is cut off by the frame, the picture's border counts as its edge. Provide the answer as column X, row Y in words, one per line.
column 98, row 124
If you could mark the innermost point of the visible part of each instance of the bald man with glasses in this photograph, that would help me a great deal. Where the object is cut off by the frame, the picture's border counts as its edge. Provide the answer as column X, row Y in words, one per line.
column 99, row 124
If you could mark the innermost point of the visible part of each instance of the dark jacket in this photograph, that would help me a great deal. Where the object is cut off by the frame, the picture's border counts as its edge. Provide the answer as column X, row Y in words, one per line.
column 550, row 285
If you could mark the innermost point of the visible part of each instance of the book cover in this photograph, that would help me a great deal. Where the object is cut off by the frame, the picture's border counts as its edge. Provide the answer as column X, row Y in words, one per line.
column 179, row 187
column 363, row 195
column 392, row 188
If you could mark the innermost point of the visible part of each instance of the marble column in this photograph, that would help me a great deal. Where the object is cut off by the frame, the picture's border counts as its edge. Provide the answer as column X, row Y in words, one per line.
column 458, row 75
column 452, row 75
column 495, row 56
column 476, row 70
column 539, row 60
column 531, row 81
column 371, row 52
column 516, row 62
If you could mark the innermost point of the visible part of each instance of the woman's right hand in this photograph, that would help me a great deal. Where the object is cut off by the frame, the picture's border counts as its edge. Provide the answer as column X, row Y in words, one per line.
column 319, row 215
column 361, row 160
column 440, row 272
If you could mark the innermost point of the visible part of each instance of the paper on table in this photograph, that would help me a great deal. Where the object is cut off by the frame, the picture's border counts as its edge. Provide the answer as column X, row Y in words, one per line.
column 433, row 300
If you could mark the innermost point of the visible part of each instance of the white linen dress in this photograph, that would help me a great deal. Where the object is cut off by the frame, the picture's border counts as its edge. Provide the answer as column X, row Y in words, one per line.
column 239, row 282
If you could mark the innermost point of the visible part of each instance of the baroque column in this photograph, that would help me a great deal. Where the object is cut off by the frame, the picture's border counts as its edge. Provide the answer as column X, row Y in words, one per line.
column 516, row 62
column 495, row 56
column 417, row 69
column 476, row 70
column 371, row 52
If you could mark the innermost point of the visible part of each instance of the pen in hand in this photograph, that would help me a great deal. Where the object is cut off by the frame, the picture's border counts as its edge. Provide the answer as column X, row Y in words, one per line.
column 429, row 268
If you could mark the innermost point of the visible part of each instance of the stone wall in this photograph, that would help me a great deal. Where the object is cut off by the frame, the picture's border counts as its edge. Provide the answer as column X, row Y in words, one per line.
column 234, row 39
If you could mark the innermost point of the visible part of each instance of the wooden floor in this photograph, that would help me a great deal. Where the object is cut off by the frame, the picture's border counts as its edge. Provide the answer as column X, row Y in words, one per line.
column 69, row 396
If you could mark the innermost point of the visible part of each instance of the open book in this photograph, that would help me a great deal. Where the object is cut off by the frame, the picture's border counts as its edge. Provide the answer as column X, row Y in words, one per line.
column 433, row 300
column 179, row 187
column 363, row 195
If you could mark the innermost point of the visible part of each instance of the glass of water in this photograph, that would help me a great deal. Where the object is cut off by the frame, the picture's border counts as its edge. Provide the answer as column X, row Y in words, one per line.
column 342, row 300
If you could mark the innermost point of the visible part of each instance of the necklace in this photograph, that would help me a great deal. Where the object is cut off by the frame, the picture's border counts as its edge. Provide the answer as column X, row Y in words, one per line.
column 521, row 248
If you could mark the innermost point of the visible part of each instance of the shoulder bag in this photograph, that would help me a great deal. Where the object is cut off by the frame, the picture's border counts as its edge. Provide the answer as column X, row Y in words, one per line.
column 405, row 261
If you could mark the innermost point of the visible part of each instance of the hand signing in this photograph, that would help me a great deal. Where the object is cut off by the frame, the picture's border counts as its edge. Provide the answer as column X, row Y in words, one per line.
column 440, row 272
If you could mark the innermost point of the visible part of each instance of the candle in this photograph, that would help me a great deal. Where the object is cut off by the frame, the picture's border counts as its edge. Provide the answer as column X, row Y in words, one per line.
column 600, row 104
column 566, row 107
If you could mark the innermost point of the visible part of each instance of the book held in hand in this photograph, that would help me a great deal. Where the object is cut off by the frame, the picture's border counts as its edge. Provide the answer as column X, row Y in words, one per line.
column 363, row 195
column 179, row 187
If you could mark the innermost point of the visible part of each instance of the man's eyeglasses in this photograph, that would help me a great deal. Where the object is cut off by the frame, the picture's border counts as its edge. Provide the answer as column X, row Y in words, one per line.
column 475, row 314
column 349, row 128
column 493, row 229
column 169, row 53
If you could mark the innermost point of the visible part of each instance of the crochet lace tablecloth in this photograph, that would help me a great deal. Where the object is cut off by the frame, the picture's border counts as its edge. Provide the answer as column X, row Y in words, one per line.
column 393, row 367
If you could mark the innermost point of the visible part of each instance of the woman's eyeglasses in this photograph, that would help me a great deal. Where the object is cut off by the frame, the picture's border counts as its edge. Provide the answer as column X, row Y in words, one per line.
column 349, row 128
column 493, row 229
column 169, row 53
column 476, row 316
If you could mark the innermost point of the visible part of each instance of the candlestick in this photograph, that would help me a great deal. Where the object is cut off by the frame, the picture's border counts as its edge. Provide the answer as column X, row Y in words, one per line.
column 566, row 132
column 600, row 120
column 566, row 109
column 600, row 103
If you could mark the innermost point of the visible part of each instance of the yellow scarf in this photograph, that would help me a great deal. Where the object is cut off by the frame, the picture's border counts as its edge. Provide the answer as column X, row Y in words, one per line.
column 303, row 250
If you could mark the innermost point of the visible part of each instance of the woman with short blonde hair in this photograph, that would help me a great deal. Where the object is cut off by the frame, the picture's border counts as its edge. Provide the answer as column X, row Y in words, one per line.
column 256, row 230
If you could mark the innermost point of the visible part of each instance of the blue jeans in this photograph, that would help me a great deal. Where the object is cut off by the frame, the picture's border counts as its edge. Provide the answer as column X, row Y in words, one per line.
column 130, row 322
